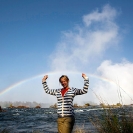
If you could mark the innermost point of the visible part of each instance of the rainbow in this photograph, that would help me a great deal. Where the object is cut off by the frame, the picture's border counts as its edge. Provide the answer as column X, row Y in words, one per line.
column 50, row 73
column 24, row 81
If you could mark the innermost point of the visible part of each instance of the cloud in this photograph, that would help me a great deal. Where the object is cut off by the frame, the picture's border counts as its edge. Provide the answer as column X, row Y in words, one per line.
column 120, row 75
column 107, row 15
column 80, row 46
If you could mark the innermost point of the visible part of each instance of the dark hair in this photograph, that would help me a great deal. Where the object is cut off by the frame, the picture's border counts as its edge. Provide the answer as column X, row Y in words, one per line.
column 64, row 76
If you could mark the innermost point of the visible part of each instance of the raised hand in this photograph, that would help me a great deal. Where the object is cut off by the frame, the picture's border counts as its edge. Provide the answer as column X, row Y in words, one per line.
column 44, row 78
column 83, row 75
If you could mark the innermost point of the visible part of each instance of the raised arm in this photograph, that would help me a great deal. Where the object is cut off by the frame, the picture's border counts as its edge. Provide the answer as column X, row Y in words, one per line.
column 85, row 88
column 46, row 88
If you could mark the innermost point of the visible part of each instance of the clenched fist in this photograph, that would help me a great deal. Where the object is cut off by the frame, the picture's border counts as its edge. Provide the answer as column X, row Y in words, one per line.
column 44, row 78
column 83, row 75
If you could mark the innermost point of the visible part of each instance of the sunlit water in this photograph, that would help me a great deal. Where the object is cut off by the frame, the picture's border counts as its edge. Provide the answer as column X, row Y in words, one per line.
column 43, row 120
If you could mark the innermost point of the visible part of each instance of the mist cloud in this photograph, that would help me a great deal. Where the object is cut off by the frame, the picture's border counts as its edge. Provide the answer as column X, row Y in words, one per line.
column 78, row 47
column 121, row 75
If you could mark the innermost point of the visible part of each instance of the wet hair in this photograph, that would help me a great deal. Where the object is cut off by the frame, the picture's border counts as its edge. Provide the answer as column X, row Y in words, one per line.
column 64, row 76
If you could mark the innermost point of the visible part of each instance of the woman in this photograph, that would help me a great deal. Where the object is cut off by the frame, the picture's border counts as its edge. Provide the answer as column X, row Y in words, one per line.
column 65, row 98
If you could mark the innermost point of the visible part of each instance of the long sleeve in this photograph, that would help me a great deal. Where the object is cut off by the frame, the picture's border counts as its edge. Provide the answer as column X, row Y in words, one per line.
column 85, row 88
column 49, row 91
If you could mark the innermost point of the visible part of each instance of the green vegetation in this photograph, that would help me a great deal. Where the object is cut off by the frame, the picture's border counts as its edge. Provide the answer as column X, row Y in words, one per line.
column 114, row 121
column 54, row 106
column 5, row 131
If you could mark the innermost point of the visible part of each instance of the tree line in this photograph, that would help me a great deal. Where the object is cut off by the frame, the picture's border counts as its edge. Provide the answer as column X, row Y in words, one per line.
column 5, row 104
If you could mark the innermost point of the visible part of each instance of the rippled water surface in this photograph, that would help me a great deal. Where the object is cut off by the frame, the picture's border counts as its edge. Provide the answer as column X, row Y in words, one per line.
column 43, row 120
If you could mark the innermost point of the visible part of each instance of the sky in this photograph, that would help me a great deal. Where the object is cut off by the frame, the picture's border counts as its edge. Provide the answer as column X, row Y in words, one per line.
column 56, row 37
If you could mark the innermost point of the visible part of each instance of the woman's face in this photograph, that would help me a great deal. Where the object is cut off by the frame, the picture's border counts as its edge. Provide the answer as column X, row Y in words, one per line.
column 64, row 82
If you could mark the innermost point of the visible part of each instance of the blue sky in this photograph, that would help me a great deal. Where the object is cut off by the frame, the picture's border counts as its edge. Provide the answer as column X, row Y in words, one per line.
column 39, row 37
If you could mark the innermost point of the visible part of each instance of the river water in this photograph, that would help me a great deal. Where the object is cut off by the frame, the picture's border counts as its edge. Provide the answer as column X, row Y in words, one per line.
column 44, row 120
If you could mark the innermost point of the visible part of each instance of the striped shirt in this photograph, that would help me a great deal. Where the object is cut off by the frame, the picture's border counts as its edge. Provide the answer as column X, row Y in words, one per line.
column 65, row 104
